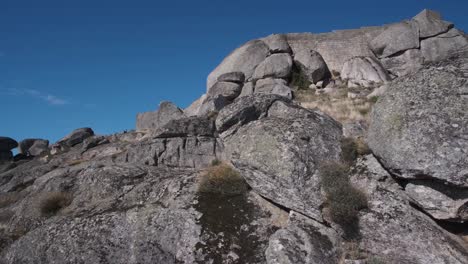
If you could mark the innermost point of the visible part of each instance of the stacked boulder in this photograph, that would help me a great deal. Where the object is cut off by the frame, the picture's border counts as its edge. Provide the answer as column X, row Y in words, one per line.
column 6, row 145
column 33, row 146
column 418, row 131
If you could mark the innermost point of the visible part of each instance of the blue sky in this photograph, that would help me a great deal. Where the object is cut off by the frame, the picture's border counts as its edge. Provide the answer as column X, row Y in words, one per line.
column 70, row 64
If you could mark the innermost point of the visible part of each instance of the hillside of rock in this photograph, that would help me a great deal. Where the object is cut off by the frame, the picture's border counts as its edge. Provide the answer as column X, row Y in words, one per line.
column 342, row 147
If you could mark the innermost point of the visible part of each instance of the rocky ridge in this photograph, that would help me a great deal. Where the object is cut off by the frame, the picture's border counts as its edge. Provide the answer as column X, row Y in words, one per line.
column 134, row 197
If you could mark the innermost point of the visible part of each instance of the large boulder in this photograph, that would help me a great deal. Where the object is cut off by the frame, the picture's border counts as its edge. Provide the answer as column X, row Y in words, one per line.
column 303, row 240
column 277, row 43
column 441, row 203
column 152, row 120
column 7, row 144
column 194, row 108
column 430, row 23
column 235, row 77
column 244, row 59
column 443, row 46
column 279, row 151
column 364, row 71
column 76, row 136
column 273, row 86
column 392, row 230
column 418, row 128
column 275, row 66
column 228, row 90
column 311, row 64
column 396, row 38
column 33, row 146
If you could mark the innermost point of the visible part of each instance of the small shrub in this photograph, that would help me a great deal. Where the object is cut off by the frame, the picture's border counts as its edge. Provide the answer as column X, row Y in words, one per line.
column 299, row 79
column 362, row 147
column 7, row 199
column 75, row 162
column 349, row 151
column 215, row 162
column 222, row 179
column 353, row 251
column 52, row 202
column 343, row 200
column 212, row 114
column 374, row 99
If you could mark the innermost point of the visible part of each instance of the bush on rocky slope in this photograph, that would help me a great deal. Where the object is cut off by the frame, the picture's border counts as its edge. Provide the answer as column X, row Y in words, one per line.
column 52, row 202
column 222, row 179
column 342, row 199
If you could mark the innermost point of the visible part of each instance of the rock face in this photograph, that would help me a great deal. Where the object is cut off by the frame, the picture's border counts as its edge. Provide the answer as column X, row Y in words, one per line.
column 244, row 59
column 311, row 64
column 137, row 197
column 152, row 120
column 443, row 46
column 391, row 218
column 396, row 38
column 273, row 86
column 7, row 144
column 430, row 24
column 33, row 146
column 417, row 127
column 364, row 71
column 303, row 241
column 76, row 136
column 275, row 66
column 280, row 166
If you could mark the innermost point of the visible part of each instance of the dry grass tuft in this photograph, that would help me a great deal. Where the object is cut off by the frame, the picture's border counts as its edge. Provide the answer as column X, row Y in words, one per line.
column 343, row 200
column 52, row 202
column 222, row 179
column 7, row 199
column 337, row 105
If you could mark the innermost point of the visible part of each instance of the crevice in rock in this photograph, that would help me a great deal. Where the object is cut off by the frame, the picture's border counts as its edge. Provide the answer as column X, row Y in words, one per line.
column 456, row 228
column 282, row 207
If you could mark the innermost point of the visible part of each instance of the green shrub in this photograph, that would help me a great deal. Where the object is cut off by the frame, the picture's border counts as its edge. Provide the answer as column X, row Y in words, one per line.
column 351, row 148
column 374, row 99
column 299, row 79
column 52, row 202
column 343, row 200
column 222, row 179
column 215, row 162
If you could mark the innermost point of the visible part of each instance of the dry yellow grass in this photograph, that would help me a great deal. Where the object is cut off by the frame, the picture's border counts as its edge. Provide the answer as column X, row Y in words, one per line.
column 223, row 179
column 337, row 105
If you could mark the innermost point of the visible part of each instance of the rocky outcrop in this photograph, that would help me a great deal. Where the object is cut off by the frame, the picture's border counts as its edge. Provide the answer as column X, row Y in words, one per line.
column 137, row 196
column 273, row 86
column 77, row 136
column 278, row 150
column 364, row 71
column 244, row 59
column 311, row 64
column 417, row 127
column 277, row 43
column 392, row 230
column 33, row 146
column 275, row 66
column 396, row 38
column 443, row 46
column 303, row 240
column 152, row 120
column 430, row 24
column 6, row 145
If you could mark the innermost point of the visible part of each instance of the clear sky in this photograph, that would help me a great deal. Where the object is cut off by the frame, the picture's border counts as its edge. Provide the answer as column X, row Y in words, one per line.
column 67, row 64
